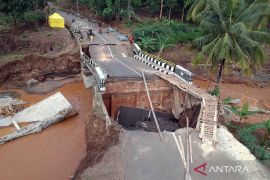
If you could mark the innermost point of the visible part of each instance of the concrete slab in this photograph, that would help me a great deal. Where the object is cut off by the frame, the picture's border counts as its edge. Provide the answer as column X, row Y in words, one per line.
column 41, row 111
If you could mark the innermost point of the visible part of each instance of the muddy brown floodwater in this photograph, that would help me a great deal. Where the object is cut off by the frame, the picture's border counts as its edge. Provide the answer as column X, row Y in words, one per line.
column 54, row 153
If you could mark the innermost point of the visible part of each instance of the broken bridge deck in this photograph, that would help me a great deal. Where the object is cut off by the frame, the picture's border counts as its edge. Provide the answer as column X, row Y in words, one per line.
column 207, row 121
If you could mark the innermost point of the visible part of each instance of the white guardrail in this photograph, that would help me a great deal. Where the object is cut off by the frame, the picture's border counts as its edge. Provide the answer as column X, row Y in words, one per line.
column 99, row 74
column 162, row 64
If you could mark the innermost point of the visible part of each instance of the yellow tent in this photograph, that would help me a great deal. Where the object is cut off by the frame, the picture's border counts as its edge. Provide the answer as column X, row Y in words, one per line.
column 56, row 21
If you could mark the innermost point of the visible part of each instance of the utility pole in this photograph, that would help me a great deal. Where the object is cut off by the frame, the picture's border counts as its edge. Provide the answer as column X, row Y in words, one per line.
column 161, row 9
column 77, row 4
column 129, row 9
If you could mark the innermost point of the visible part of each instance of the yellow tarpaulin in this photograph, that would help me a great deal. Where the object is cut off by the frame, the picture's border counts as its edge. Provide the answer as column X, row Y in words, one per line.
column 56, row 21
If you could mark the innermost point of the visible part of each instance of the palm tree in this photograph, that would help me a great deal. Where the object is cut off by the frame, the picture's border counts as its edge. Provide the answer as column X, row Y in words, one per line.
column 163, row 43
column 230, row 34
column 197, row 6
column 161, row 9
column 186, row 3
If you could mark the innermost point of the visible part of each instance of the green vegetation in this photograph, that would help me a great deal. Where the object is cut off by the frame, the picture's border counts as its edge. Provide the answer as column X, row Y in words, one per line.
column 231, row 34
column 260, row 147
column 215, row 92
column 20, row 11
column 159, row 35
column 227, row 100
column 126, row 9
column 242, row 112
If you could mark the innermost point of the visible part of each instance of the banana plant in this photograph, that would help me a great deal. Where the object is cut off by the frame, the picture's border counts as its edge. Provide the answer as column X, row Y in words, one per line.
column 266, row 141
column 147, row 43
column 163, row 44
column 243, row 112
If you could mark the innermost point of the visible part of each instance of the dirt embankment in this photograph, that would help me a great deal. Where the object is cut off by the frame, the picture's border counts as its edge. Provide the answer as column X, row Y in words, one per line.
column 26, row 39
column 98, row 141
column 39, row 68
column 43, row 53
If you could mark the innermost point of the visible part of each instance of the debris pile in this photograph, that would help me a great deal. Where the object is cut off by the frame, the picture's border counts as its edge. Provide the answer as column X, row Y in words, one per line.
column 78, row 27
column 9, row 106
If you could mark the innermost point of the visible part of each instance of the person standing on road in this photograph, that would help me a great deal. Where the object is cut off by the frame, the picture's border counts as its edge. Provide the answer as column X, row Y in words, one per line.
column 99, row 28
column 108, row 30
column 91, row 34
column 131, row 39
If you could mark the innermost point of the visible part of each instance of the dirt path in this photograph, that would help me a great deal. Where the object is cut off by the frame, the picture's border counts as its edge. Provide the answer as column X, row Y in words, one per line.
column 55, row 152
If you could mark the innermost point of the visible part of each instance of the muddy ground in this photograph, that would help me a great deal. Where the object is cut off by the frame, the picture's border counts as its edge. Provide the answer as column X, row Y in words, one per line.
column 38, row 68
column 43, row 53
column 30, row 39
column 253, row 95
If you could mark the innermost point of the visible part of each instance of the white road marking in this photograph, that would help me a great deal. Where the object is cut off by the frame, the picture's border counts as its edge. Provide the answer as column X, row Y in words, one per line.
column 128, row 67
column 101, row 38
column 110, row 50
column 116, row 58
column 123, row 54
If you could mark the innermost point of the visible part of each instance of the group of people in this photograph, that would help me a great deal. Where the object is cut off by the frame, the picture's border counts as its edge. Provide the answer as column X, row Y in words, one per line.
column 90, row 34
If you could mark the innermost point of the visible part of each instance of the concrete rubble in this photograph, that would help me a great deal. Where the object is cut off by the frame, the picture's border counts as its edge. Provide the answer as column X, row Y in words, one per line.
column 41, row 115
column 9, row 101
column 9, row 106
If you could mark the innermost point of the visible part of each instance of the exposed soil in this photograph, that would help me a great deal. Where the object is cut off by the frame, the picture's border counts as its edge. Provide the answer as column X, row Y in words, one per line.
column 35, row 53
column 55, row 152
column 28, row 39
column 39, row 68
column 183, row 55
column 98, row 141
column 254, row 95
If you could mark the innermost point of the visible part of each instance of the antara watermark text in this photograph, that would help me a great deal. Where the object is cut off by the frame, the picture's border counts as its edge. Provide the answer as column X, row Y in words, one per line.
column 204, row 170
column 228, row 169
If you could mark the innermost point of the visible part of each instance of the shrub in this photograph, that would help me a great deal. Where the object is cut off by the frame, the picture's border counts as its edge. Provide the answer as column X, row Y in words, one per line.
column 174, row 32
column 5, row 20
column 32, row 16
column 246, row 136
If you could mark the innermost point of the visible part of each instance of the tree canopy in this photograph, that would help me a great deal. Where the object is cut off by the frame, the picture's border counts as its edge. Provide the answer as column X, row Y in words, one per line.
column 231, row 33
column 17, row 8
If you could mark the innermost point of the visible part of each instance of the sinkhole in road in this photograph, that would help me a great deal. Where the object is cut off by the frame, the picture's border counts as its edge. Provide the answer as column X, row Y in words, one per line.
column 142, row 119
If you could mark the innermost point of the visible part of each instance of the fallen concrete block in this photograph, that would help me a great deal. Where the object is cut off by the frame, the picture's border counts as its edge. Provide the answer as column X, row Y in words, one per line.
column 44, row 114
column 41, row 111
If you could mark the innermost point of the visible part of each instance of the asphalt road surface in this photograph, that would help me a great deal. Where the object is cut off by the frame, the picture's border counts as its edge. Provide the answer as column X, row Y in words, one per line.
column 113, row 55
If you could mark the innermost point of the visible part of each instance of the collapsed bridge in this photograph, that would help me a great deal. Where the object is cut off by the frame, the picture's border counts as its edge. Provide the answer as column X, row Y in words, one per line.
column 117, row 70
